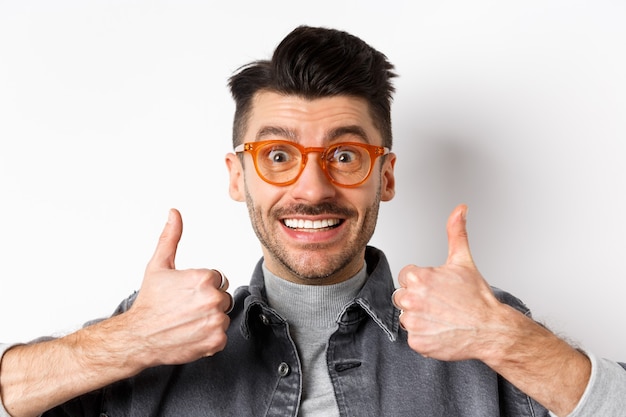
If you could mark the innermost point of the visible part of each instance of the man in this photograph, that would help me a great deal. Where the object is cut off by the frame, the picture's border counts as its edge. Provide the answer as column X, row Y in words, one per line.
column 320, row 330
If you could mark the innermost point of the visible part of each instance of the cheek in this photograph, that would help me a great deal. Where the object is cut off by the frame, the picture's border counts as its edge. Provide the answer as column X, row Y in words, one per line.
column 363, row 200
column 369, row 194
column 259, row 194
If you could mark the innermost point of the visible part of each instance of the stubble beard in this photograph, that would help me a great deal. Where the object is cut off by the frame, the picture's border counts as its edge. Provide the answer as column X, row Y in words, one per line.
column 306, row 264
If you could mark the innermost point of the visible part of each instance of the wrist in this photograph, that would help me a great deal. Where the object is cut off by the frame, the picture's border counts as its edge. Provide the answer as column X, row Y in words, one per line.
column 111, row 343
column 539, row 363
column 510, row 333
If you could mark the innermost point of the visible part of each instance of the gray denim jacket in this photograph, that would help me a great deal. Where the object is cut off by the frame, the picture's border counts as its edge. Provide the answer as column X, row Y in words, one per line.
column 372, row 369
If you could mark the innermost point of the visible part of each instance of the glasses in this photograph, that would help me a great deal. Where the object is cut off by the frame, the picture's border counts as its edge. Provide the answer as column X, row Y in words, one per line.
column 280, row 162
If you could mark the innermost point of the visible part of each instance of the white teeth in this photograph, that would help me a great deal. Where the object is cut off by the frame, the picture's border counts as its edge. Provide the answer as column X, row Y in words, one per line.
column 310, row 224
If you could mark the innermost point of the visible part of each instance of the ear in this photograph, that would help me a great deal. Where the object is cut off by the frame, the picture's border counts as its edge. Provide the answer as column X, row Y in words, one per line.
column 388, row 179
column 236, row 187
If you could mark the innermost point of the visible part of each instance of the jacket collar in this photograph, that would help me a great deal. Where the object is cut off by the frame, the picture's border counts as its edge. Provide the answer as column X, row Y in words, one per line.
column 374, row 299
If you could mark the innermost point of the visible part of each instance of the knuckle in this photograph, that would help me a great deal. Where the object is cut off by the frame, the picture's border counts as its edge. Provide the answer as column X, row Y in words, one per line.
column 217, row 342
column 414, row 300
column 416, row 276
column 216, row 322
column 409, row 304
column 201, row 279
column 201, row 275
column 414, row 342
column 421, row 346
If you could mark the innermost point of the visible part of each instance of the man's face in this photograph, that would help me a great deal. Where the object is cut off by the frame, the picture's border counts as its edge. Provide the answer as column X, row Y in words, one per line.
column 339, row 222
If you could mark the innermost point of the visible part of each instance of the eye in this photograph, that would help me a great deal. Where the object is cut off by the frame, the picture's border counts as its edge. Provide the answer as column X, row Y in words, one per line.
column 344, row 155
column 278, row 156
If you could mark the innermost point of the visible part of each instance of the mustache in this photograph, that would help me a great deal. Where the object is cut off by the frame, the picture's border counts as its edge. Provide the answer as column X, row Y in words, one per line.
column 314, row 210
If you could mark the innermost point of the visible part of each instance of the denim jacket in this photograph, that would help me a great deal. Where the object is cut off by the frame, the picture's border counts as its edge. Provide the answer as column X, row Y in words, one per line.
column 373, row 371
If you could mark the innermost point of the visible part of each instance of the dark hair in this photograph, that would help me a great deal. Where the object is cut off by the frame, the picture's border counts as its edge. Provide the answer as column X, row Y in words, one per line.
column 313, row 63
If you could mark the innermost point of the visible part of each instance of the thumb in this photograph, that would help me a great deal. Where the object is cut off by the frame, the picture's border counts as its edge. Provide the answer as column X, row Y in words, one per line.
column 458, row 244
column 165, row 253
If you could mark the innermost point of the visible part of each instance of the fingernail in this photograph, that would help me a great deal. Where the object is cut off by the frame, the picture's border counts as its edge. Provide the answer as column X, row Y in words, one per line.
column 170, row 216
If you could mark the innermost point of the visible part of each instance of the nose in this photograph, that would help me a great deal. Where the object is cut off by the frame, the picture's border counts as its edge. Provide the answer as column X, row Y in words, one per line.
column 313, row 185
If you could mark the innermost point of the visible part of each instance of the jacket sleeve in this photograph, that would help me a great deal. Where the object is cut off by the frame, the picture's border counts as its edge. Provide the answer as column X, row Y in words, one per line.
column 606, row 392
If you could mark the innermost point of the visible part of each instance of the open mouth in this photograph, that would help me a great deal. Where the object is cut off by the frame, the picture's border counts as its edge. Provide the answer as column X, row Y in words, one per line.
column 312, row 225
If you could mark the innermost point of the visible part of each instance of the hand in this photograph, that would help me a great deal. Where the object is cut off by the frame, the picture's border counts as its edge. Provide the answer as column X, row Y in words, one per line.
column 450, row 311
column 179, row 315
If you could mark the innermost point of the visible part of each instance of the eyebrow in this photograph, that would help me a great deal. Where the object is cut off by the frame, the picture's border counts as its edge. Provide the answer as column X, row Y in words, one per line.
column 283, row 132
column 351, row 130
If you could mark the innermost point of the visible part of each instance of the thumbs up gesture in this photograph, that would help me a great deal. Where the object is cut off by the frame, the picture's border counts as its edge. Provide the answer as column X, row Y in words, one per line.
column 449, row 312
column 179, row 315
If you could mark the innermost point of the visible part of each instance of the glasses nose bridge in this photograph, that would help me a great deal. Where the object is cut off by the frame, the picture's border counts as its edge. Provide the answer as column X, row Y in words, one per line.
column 313, row 149
column 305, row 151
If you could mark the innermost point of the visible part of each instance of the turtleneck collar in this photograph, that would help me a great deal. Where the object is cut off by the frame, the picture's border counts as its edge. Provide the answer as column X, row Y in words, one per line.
column 311, row 305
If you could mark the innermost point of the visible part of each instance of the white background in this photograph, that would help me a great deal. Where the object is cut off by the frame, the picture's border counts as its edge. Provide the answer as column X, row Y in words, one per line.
column 111, row 112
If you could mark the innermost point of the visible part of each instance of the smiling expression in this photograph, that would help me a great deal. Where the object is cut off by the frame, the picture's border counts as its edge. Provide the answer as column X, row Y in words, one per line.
column 311, row 231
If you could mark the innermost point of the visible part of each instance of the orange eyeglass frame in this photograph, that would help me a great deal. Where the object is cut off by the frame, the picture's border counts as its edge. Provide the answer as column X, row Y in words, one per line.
column 253, row 148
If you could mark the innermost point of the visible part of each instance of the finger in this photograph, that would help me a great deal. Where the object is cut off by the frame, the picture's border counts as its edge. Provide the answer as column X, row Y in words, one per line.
column 409, row 275
column 223, row 286
column 458, row 243
column 165, row 254
column 393, row 298
column 231, row 304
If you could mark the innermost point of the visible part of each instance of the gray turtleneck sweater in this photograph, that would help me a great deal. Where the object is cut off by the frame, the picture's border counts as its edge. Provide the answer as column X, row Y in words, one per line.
column 312, row 312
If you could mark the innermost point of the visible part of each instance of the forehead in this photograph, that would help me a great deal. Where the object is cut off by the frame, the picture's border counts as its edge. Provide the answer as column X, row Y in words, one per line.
column 308, row 119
